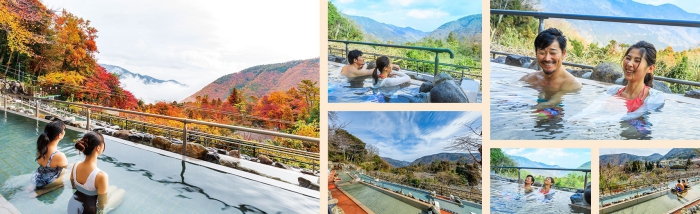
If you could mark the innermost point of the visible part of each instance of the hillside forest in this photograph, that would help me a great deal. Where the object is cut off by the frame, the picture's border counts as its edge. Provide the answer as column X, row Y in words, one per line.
column 467, row 50
column 53, row 53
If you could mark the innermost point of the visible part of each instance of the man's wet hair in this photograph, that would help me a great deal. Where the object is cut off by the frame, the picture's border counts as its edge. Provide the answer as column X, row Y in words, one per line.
column 547, row 37
column 353, row 55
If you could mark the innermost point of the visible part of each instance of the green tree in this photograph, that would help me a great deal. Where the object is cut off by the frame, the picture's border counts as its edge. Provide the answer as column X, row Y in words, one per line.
column 340, row 27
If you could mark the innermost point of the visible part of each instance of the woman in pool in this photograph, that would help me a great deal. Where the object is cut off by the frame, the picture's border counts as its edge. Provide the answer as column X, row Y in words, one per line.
column 385, row 79
column 49, row 175
column 93, row 195
column 548, row 182
column 638, row 66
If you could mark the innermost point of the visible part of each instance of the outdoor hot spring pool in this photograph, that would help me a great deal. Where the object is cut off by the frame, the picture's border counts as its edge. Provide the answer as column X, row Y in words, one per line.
column 513, row 118
column 154, row 183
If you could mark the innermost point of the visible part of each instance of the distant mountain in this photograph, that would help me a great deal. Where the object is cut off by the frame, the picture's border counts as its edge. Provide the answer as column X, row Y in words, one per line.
column 123, row 74
column 465, row 27
column 602, row 32
column 586, row 165
column 680, row 153
column 619, row 159
column 387, row 32
column 396, row 163
column 447, row 157
column 262, row 79
column 524, row 162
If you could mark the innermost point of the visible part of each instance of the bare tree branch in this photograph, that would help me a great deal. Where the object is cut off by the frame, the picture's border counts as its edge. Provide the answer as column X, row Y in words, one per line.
column 469, row 142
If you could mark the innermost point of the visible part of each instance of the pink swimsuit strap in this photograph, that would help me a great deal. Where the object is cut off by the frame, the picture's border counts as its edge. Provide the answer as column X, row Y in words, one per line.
column 633, row 104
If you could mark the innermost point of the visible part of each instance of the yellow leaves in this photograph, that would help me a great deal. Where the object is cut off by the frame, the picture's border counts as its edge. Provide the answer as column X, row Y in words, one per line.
column 70, row 78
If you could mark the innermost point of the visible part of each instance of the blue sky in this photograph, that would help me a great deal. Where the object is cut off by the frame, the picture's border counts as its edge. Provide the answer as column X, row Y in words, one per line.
column 691, row 6
column 636, row 151
column 409, row 135
column 418, row 14
column 567, row 158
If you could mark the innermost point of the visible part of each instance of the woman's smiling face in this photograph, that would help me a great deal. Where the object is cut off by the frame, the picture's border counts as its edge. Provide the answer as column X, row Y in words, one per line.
column 634, row 66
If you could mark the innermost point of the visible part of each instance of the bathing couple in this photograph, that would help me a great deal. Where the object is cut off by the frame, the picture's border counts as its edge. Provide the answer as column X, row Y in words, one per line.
column 385, row 79
column 93, row 195
column 553, row 81
column 529, row 180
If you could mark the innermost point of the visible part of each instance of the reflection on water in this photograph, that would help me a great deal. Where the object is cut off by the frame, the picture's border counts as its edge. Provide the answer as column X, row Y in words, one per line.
column 153, row 183
column 585, row 114
column 507, row 197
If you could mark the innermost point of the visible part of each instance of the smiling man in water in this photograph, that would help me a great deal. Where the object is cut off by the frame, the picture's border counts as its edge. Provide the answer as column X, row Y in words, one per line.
column 553, row 81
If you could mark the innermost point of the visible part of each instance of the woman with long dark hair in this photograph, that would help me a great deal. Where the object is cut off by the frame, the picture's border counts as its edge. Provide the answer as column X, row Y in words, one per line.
column 385, row 80
column 93, row 195
column 48, row 176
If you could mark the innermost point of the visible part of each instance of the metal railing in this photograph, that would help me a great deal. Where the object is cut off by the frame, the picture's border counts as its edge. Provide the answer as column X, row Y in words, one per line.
column 437, row 51
column 405, row 64
column 585, row 177
column 184, row 131
column 665, row 79
column 545, row 15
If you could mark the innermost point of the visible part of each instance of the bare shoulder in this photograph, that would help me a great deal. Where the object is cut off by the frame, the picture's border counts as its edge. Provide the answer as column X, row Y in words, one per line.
column 531, row 77
column 571, row 83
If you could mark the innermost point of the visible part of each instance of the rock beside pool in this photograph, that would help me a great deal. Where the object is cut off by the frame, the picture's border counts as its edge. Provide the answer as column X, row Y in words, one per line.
column 161, row 143
column 587, row 75
column 607, row 72
column 234, row 153
column 499, row 59
column 281, row 166
column 578, row 72
column 339, row 59
column 518, row 60
column 308, row 184
column 264, row 160
column 212, row 156
column 229, row 161
column 122, row 134
column 371, row 65
column 693, row 94
column 534, row 65
column 425, row 87
column 417, row 98
column 447, row 91
column 193, row 150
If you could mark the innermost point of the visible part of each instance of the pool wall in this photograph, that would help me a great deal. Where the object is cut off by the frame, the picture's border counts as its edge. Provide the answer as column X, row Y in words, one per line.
column 407, row 200
column 630, row 203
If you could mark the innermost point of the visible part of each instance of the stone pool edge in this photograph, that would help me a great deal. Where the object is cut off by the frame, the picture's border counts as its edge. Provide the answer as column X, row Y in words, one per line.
column 7, row 206
column 246, row 175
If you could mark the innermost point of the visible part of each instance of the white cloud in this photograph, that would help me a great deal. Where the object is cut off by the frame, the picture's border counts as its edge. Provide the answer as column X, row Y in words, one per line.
column 426, row 14
column 514, row 152
column 197, row 42
column 154, row 92
column 402, row 2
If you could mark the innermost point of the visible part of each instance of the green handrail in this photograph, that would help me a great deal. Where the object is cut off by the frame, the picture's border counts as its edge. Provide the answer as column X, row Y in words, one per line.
column 437, row 51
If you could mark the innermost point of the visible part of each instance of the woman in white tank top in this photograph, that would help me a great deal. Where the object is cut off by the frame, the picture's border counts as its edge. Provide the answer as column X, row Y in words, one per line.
column 93, row 194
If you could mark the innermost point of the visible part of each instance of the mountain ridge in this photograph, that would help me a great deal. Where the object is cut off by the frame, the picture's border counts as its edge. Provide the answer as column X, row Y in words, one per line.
column 260, row 80
column 123, row 73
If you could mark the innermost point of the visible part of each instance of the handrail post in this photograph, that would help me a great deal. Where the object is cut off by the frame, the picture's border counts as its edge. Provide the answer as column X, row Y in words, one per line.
column 585, row 181
column 437, row 61
column 541, row 27
column 87, row 125
column 518, row 175
column 347, row 51
column 36, row 108
column 184, row 138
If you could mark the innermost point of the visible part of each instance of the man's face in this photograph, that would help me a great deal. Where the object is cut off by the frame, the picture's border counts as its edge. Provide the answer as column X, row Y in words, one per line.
column 550, row 58
column 528, row 180
column 360, row 60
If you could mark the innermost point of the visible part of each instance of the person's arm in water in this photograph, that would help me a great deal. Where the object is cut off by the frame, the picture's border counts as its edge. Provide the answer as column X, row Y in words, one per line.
column 101, row 183
column 654, row 101
column 567, row 87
